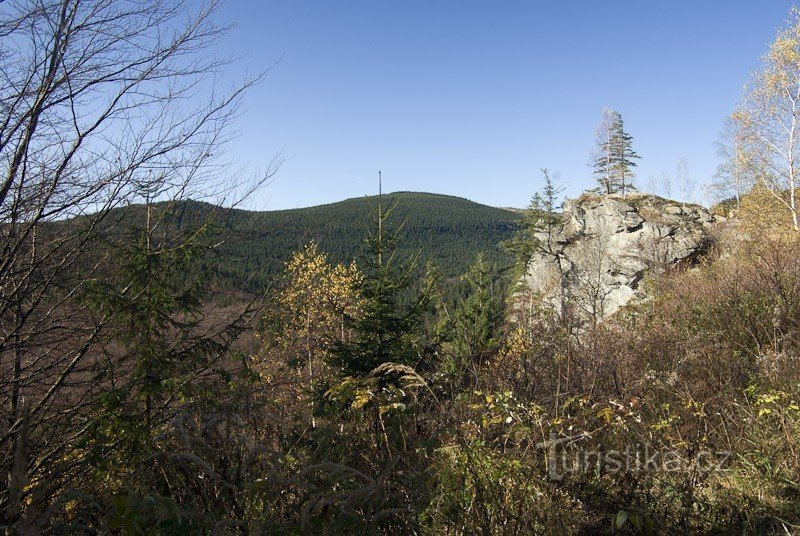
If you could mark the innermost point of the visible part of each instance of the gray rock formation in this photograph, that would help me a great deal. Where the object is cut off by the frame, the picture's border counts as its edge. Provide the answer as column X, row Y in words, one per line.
column 598, row 255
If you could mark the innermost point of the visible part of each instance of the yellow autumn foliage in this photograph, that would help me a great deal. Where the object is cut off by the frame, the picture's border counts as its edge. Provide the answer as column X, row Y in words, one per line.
column 310, row 310
column 762, row 215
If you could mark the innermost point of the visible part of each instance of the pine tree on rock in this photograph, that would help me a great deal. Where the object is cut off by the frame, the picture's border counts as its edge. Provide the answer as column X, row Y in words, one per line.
column 539, row 222
column 623, row 163
column 613, row 160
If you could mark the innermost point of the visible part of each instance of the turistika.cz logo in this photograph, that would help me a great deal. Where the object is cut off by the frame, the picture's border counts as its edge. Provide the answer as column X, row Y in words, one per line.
column 637, row 458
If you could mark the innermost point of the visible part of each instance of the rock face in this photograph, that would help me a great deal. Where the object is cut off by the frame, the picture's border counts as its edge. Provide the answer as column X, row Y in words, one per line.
column 598, row 255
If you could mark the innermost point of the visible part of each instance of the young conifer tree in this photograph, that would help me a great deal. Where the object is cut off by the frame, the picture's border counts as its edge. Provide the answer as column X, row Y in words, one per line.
column 539, row 223
column 625, row 156
column 478, row 317
column 389, row 325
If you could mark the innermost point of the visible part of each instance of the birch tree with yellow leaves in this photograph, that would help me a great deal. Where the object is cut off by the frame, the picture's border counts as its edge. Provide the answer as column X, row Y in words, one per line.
column 309, row 314
column 769, row 116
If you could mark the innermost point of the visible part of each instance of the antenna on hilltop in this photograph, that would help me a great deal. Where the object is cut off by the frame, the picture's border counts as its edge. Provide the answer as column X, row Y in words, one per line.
column 380, row 217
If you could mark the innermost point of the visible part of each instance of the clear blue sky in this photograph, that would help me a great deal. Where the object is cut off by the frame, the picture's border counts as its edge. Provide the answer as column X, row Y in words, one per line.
column 472, row 98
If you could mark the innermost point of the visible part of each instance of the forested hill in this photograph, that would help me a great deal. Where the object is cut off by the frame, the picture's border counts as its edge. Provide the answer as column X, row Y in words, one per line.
column 450, row 231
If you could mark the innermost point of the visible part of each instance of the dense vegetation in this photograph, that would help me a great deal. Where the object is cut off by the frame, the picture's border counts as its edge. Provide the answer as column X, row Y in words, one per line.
column 371, row 406
column 358, row 397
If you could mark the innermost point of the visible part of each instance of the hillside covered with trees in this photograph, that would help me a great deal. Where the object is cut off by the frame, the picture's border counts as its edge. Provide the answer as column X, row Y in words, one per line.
column 447, row 231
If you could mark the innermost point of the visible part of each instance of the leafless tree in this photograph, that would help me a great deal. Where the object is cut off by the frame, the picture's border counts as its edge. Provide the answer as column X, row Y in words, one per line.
column 589, row 289
column 666, row 184
column 735, row 173
column 653, row 185
column 686, row 182
column 602, row 156
column 103, row 103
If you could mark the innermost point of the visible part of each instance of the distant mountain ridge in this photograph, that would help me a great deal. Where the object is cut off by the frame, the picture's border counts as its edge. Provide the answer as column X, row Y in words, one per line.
column 449, row 231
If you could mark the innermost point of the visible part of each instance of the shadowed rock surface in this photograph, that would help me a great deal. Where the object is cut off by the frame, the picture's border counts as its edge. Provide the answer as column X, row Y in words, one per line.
column 598, row 255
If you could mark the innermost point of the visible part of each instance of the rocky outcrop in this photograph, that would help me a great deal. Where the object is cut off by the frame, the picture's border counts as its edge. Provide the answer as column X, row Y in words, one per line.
column 597, row 257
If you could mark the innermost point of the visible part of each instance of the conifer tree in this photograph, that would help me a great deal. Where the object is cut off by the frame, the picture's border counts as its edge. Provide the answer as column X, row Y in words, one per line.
column 614, row 157
column 390, row 321
column 539, row 222
column 478, row 317
column 162, row 346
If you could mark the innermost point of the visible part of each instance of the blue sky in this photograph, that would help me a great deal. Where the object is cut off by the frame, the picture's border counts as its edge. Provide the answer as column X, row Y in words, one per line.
column 472, row 98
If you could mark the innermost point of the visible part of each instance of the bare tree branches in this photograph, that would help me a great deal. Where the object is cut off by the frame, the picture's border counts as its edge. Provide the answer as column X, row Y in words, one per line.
column 103, row 103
